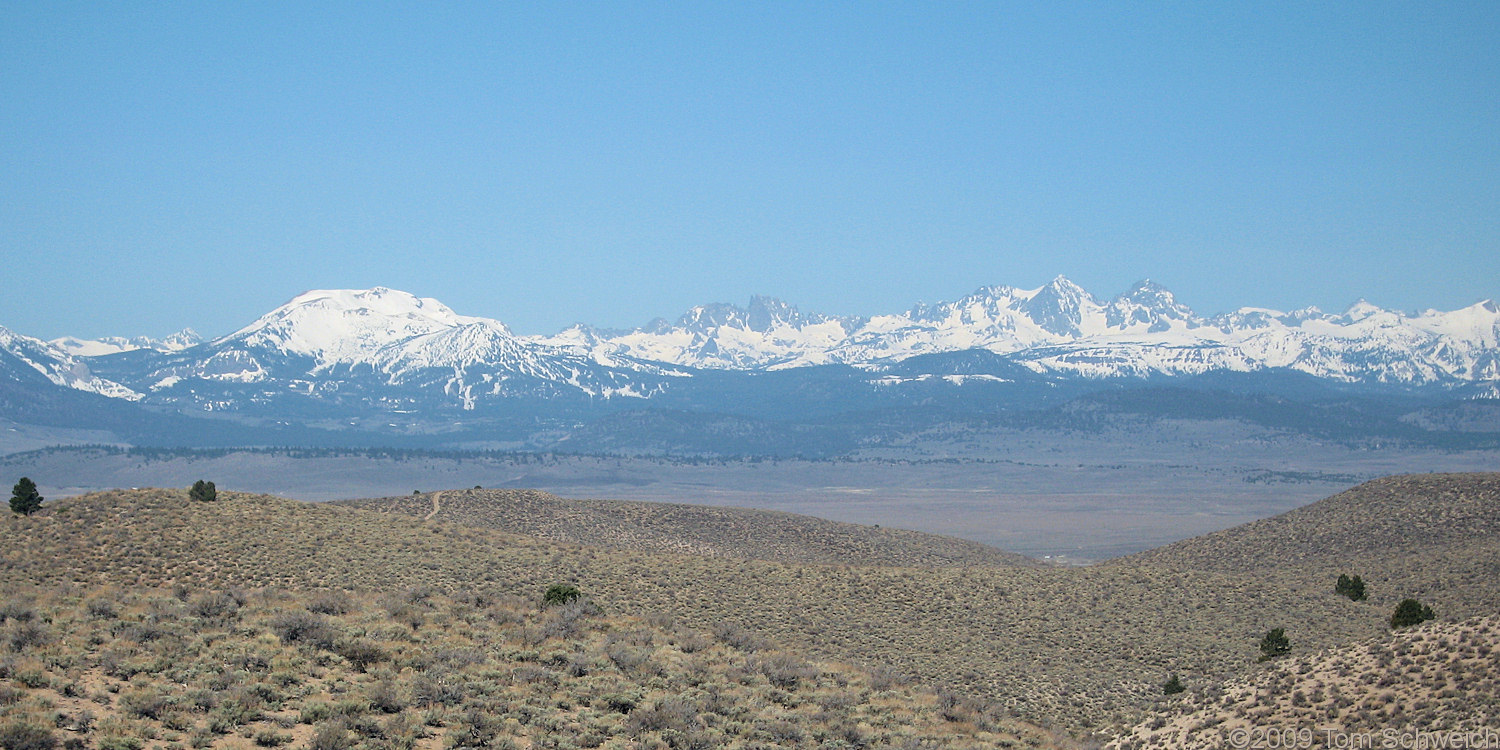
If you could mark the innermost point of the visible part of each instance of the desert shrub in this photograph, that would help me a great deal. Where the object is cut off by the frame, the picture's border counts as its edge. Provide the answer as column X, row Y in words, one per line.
column 783, row 670
column 331, row 603
column 304, row 627
column 1172, row 686
column 1274, row 644
column 24, row 635
column 436, row 690
column 204, row 492
column 25, row 735
column 1410, row 612
column 16, row 611
column 360, row 652
column 474, row 729
column 330, row 736
column 737, row 637
column 673, row 714
column 102, row 608
column 1352, row 587
column 146, row 703
column 272, row 738
column 622, row 703
column 386, row 697
column 216, row 607
column 560, row 593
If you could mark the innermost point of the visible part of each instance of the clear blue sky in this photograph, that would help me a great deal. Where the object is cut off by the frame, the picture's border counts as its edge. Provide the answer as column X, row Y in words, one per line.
column 195, row 164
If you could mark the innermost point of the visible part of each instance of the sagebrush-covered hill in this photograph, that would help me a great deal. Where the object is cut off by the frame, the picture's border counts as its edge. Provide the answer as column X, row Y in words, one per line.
column 740, row 533
column 1435, row 678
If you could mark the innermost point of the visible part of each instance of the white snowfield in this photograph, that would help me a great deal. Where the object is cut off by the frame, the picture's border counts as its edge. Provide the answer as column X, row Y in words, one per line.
column 1058, row 328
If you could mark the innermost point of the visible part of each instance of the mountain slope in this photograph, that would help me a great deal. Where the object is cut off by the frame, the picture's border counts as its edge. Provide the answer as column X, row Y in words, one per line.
column 22, row 358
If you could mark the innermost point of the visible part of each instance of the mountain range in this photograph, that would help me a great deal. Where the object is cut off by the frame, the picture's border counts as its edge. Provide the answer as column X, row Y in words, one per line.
column 383, row 359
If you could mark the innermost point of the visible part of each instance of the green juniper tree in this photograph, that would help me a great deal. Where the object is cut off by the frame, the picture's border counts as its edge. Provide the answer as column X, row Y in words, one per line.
column 24, row 499
column 1354, row 587
column 1410, row 612
column 560, row 593
column 204, row 492
column 1275, row 644
column 1172, row 686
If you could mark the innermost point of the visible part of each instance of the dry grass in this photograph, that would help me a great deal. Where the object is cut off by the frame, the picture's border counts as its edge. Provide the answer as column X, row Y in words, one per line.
column 1439, row 677
column 738, row 533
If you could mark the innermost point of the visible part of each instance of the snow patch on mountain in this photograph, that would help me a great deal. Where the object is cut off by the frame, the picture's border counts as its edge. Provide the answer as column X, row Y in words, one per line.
column 60, row 367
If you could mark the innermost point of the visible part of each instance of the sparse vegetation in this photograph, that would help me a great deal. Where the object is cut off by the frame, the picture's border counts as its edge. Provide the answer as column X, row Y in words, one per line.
column 485, row 671
column 737, row 533
column 351, row 618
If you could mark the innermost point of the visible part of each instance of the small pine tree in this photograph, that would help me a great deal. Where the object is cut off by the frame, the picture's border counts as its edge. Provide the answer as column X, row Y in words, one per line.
column 1410, row 612
column 560, row 593
column 1274, row 644
column 1352, row 587
column 204, row 492
column 1172, row 686
column 24, row 499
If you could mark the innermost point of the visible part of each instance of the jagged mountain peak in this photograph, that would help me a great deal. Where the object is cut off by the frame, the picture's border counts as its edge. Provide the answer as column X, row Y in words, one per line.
column 1151, row 305
column 1060, row 307
column 1360, row 310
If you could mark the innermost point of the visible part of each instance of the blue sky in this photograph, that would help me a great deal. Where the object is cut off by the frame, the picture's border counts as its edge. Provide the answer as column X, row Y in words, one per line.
column 195, row 164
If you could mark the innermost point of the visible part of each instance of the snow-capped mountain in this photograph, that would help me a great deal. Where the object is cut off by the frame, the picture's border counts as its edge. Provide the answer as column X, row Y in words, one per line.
column 24, row 357
column 385, row 351
column 378, row 349
column 343, row 326
column 1061, row 328
column 766, row 334
column 115, row 344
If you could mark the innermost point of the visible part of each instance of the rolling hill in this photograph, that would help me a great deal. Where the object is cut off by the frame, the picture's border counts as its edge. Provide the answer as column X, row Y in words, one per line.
column 1082, row 649
column 738, row 533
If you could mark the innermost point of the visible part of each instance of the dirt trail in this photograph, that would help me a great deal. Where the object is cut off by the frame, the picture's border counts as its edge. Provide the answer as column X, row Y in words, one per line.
column 435, row 506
